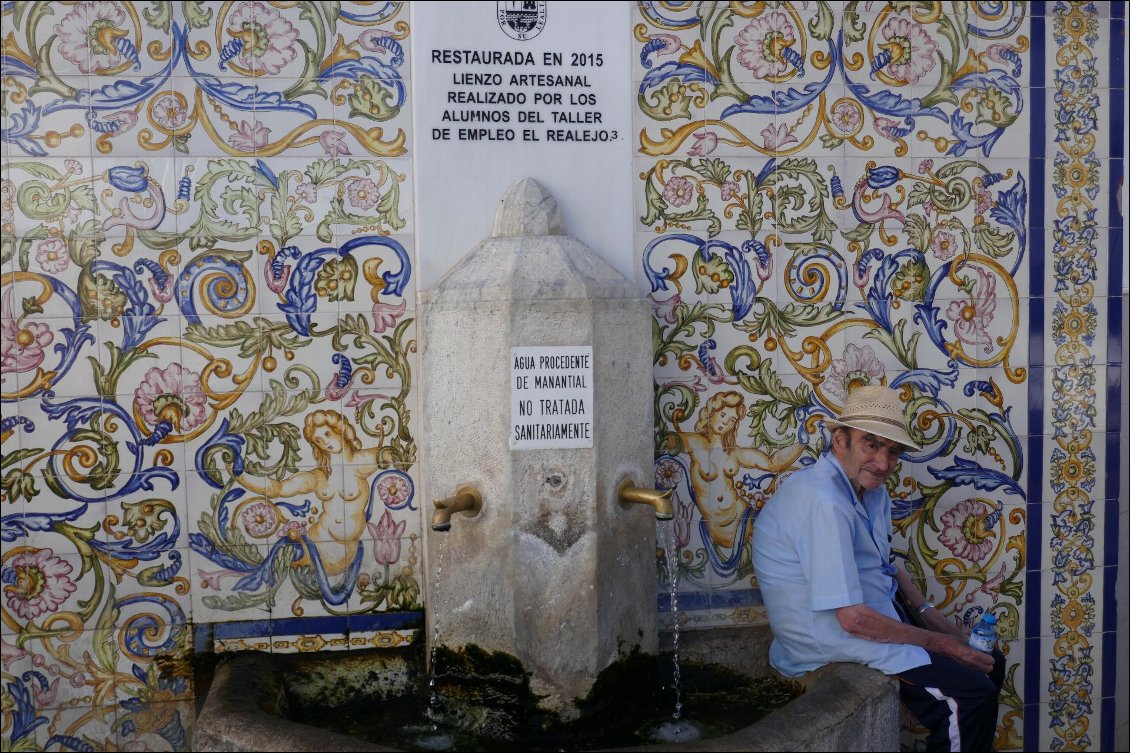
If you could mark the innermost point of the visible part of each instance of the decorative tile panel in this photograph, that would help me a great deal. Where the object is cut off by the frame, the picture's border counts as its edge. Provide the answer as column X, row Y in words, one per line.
column 209, row 345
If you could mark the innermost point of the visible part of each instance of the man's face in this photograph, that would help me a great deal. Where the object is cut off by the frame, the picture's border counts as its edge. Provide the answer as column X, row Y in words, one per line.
column 866, row 459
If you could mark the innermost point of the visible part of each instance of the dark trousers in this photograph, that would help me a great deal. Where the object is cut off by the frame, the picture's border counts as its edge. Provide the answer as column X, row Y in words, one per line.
column 956, row 702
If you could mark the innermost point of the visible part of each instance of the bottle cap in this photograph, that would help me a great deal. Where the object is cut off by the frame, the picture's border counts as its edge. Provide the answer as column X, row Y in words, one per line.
column 990, row 618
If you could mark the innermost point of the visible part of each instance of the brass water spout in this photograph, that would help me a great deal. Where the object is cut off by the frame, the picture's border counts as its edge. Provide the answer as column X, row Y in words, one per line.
column 628, row 493
column 466, row 500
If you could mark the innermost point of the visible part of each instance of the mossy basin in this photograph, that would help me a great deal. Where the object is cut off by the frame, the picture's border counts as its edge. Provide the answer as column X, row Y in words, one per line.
column 382, row 700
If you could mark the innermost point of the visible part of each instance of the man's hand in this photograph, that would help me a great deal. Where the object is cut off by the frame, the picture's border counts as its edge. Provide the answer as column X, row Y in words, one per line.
column 958, row 649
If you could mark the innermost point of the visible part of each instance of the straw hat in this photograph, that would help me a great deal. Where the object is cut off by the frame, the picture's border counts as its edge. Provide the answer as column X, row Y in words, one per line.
column 877, row 410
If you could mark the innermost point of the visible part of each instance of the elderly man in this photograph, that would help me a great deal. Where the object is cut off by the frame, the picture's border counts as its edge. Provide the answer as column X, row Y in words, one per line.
column 822, row 553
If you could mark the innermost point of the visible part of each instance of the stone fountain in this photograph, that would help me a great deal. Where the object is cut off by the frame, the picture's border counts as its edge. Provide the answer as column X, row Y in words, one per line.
column 537, row 444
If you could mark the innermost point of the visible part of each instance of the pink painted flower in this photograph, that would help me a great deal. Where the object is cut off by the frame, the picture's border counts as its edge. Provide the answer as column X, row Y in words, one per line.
column 665, row 310
column 964, row 530
column 260, row 519
column 393, row 490
column 386, row 314
column 87, row 35
column 307, row 191
column 22, row 342
column 730, row 190
column 886, row 127
column 363, row 193
column 214, row 580
column 982, row 201
column 37, row 582
column 775, row 138
column 333, row 141
column 762, row 42
column 925, row 166
column 668, row 473
column 859, row 367
column 74, row 167
column 846, row 116
column 943, row 244
column 268, row 38
column 172, row 394
column 51, row 256
column 671, row 44
column 678, row 192
column 386, row 539
column 44, row 697
column 10, row 653
column 971, row 319
column 250, row 136
column 705, row 142
column 169, row 111
column 912, row 50
column 293, row 530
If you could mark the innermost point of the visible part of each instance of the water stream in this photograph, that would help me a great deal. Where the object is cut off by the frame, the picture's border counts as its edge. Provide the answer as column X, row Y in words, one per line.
column 433, row 738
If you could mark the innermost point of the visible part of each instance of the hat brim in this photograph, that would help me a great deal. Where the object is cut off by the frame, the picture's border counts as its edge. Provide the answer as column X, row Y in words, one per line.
column 878, row 428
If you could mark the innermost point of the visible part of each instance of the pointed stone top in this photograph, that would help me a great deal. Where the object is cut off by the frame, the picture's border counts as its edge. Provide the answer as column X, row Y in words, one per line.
column 527, row 209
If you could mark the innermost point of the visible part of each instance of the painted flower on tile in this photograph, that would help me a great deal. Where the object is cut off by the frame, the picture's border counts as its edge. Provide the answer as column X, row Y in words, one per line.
column 363, row 193
column 668, row 473
column 260, row 519
column 762, row 43
column 858, row 368
column 665, row 309
column 22, row 341
column 943, row 244
column 173, row 395
column 36, row 582
column 293, row 530
column 393, row 490
column 73, row 166
column 705, row 142
column 170, row 111
column 846, row 116
column 333, row 141
column 308, row 192
column 965, row 530
column 971, row 318
column 730, row 190
column 87, row 35
column 51, row 256
column 385, row 315
column 911, row 48
column 386, row 539
column 982, row 200
column 268, row 38
column 250, row 136
column 678, row 192
column 777, row 137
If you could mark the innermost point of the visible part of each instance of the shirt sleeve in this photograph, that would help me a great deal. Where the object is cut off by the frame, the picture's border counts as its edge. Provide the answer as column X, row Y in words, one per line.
column 827, row 555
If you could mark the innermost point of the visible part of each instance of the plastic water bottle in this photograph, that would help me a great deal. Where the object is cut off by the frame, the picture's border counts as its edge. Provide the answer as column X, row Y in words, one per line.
column 984, row 635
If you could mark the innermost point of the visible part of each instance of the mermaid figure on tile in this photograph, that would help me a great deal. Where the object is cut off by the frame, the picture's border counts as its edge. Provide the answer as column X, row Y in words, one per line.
column 716, row 460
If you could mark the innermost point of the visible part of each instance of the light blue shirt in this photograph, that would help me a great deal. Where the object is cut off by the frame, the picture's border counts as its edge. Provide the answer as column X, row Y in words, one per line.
column 815, row 550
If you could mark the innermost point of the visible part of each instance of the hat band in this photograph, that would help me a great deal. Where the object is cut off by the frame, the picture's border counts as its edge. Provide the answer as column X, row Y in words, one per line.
column 878, row 419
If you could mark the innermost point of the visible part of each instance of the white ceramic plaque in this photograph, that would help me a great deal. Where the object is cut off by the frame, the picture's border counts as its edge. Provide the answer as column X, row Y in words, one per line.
column 551, row 403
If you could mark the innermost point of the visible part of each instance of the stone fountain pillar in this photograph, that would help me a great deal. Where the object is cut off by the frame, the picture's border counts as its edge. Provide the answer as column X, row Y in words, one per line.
column 553, row 571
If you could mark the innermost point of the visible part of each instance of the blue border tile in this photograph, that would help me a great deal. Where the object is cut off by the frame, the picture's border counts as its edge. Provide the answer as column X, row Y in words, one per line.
column 1033, row 611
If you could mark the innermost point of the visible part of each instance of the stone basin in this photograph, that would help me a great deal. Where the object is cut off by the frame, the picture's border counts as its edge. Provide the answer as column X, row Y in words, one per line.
column 845, row 706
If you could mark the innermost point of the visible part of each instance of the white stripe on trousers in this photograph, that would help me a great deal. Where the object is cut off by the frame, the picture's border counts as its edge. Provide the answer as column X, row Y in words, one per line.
column 955, row 730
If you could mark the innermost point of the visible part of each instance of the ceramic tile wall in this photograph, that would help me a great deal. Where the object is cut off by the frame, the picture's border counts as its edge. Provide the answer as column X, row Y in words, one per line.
column 208, row 351
column 207, row 273
column 837, row 194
